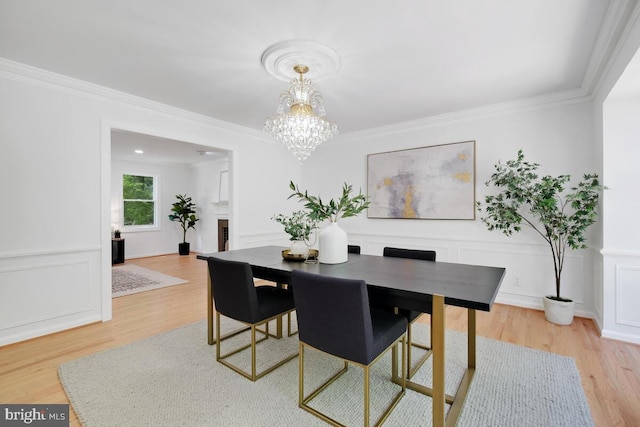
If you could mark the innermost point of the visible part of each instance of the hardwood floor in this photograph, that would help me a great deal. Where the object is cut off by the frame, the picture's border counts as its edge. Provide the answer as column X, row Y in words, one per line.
column 610, row 370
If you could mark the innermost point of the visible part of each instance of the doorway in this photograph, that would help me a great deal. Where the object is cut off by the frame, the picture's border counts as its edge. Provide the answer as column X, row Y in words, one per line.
column 181, row 166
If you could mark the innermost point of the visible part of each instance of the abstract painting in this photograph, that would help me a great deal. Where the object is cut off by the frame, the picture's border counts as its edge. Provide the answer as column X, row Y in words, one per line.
column 436, row 182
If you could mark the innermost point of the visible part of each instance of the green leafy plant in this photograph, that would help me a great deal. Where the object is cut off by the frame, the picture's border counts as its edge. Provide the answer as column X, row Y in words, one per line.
column 298, row 225
column 560, row 217
column 344, row 207
column 184, row 212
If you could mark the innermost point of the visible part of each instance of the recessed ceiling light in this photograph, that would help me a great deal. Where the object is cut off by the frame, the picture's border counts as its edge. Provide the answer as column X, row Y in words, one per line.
column 206, row 153
column 138, row 151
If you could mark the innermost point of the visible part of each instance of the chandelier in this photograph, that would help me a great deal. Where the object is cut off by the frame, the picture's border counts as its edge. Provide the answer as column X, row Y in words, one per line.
column 301, row 129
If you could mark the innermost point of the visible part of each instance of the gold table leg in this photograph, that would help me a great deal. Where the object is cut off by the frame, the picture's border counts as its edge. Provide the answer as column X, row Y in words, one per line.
column 437, row 344
column 439, row 398
column 465, row 382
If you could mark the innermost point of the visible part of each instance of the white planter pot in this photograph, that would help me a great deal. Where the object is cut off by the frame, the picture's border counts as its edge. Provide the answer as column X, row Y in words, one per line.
column 332, row 245
column 558, row 312
column 298, row 247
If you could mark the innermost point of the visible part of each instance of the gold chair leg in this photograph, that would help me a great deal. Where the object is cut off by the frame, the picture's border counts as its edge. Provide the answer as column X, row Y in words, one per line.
column 409, row 352
column 289, row 325
column 253, row 352
column 304, row 401
column 411, row 368
column 210, row 340
column 394, row 364
column 217, row 336
column 279, row 327
column 367, row 414
column 300, row 374
column 253, row 375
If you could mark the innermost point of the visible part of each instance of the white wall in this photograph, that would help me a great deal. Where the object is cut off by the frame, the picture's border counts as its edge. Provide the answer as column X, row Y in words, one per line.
column 559, row 137
column 617, row 131
column 55, row 178
column 621, row 152
column 268, row 169
column 621, row 204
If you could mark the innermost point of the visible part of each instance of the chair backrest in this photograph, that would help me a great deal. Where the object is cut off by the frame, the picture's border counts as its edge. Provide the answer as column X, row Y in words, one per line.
column 234, row 292
column 409, row 253
column 333, row 315
column 353, row 249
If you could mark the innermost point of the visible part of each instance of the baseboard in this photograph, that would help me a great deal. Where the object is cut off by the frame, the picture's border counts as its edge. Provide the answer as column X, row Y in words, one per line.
column 151, row 254
column 536, row 304
column 46, row 330
column 633, row 339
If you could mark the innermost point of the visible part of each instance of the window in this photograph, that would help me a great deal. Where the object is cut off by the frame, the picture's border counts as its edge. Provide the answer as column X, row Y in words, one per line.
column 139, row 201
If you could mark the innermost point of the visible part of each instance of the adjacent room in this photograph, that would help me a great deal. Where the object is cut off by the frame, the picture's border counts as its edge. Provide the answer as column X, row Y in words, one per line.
column 181, row 181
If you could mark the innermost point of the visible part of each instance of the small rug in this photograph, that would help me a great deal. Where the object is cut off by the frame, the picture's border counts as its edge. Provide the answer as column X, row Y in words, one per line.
column 131, row 279
column 173, row 379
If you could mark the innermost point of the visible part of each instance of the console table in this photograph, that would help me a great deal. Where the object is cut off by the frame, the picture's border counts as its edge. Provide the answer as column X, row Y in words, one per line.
column 117, row 250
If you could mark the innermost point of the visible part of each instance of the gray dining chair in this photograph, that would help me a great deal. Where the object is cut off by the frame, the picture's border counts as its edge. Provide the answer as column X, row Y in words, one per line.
column 412, row 315
column 235, row 296
column 334, row 317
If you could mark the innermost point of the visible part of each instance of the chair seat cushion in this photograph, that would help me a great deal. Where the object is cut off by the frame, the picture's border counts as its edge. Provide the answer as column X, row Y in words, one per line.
column 273, row 301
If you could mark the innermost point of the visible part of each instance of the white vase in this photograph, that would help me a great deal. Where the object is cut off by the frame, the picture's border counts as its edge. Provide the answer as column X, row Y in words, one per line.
column 333, row 245
column 558, row 312
column 298, row 247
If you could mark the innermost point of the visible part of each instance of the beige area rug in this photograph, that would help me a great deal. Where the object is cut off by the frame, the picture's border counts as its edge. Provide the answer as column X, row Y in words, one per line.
column 131, row 279
column 173, row 379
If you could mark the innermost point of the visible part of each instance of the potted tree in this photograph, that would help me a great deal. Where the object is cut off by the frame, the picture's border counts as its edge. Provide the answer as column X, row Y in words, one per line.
column 184, row 212
column 332, row 239
column 561, row 217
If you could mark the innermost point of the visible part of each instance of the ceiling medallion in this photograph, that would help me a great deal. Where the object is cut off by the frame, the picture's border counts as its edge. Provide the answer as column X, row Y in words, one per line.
column 280, row 58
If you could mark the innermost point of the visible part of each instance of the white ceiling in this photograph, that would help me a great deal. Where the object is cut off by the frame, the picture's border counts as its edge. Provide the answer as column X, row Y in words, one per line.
column 160, row 151
column 400, row 60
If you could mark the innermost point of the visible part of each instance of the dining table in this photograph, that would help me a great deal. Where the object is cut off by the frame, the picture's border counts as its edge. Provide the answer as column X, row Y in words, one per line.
column 418, row 285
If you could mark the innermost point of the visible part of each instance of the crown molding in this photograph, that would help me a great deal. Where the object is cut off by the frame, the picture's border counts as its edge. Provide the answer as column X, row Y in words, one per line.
column 617, row 23
column 555, row 99
column 34, row 76
column 617, row 50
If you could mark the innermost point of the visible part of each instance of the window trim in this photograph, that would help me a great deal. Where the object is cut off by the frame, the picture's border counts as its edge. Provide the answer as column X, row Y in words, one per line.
column 156, row 200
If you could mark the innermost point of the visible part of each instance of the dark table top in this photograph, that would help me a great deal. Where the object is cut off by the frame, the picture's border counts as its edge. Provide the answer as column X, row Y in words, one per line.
column 411, row 282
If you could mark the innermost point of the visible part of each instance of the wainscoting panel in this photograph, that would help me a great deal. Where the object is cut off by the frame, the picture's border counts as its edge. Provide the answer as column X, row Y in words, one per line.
column 44, row 293
column 529, row 267
column 627, row 295
column 530, row 270
column 620, row 318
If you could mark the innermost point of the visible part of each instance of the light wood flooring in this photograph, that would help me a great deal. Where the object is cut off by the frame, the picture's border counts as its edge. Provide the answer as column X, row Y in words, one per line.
column 610, row 370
